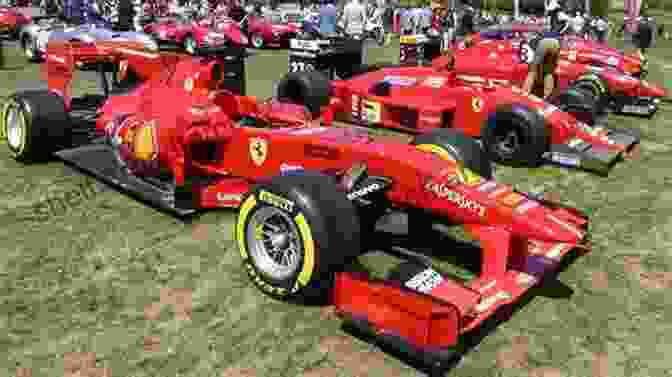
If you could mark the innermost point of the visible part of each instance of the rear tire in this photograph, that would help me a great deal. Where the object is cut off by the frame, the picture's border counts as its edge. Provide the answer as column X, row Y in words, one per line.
column 580, row 102
column 35, row 124
column 311, row 89
column 598, row 87
column 515, row 135
column 305, row 213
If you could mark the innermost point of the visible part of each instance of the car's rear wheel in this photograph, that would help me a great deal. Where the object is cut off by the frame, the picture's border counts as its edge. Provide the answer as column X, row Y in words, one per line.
column 295, row 232
column 598, row 87
column 35, row 124
column 190, row 45
column 310, row 88
column 257, row 41
column 29, row 49
column 580, row 102
column 515, row 135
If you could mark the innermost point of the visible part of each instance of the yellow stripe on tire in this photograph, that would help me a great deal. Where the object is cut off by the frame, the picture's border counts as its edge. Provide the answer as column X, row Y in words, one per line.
column 308, row 251
column 3, row 121
column 437, row 150
column 243, row 214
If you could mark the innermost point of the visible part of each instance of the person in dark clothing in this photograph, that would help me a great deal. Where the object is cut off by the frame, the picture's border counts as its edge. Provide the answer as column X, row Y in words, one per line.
column 125, row 15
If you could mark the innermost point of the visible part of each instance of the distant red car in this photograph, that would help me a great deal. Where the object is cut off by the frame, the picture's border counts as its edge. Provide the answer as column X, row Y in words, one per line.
column 270, row 30
column 11, row 21
column 508, row 63
column 192, row 33
column 574, row 49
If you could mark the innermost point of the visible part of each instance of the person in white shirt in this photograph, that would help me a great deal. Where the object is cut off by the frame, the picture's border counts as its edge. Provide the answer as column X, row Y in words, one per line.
column 354, row 16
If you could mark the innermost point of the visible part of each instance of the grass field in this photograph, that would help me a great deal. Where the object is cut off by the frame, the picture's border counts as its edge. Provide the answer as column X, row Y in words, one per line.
column 89, row 276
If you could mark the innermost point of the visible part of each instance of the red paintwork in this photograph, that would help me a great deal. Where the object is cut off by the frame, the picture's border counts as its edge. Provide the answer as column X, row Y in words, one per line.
column 176, row 30
column 197, row 114
column 499, row 60
column 11, row 20
column 455, row 96
column 273, row 33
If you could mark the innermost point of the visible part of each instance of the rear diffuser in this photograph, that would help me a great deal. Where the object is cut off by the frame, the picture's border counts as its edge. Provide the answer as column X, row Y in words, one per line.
column 98, row 160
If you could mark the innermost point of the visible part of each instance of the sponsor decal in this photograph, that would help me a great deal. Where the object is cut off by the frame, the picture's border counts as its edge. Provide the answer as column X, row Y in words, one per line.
column 565, row 159
column 302, row 44
column 499, row 191
column 633, row 109
column 513, row 199
column 276, row 201
column 287, row 167
column 477, row 104
column 488, row 186
column 258, row 150
column 189, row 84
column 364, row 191
column 222, row 197
column 576, row 143
column 425, row 281
column 371, row 111
column 443, row 191
column 355, row 106
column 309, row 130
column 400, row 80
column 613, row 61
column 262, row 284
column 123, row 68
column 321, row 151
column 488, row 302
column 435, row 82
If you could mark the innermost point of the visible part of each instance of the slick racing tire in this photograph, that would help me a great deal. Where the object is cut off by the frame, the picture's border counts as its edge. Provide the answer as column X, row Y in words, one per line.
column 515, row 135
column 34, row 124
column 190, row 45
column 455, row 146
column 310, row 88
column 599, row 89
column 643, row 38
column 579, row 102
column 295, row 232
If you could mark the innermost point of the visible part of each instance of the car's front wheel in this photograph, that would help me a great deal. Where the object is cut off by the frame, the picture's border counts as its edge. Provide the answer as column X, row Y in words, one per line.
column 295, row 232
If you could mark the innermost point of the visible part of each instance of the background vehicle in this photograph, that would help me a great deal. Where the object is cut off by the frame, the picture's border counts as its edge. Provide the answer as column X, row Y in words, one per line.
column 270, row 29
column 11, row 21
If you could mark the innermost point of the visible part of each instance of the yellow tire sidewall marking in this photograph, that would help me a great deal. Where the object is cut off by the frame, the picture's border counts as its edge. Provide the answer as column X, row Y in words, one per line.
column 304, row 231
column 437, row 150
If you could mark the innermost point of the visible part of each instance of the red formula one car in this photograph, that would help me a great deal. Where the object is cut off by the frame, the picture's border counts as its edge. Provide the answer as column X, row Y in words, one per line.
column 514, row 128
column 270, row 29
column 619, row 92
column 309, row 196
column 574, row 49
column 11, row 21
column 191, row 33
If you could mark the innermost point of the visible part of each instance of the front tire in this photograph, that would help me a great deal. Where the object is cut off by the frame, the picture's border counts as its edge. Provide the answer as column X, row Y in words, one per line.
column 515, row 135
column 35, row 124
column 295, row 232
column 29, row 49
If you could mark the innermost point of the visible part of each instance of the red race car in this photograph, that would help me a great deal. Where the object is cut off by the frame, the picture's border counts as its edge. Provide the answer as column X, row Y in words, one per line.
column 619, row 92
column 575, row 49
column 515, row 128
column 11, row 21
column 270, row 29
column 187, row 31
column 309, row 196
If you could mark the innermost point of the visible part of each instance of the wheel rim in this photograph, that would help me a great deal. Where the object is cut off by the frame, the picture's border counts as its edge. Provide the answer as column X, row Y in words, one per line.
column 190, row 45
column 507, row 143
column 257, row 41
column 15, row 127
column 275, row 243
column 28, row 49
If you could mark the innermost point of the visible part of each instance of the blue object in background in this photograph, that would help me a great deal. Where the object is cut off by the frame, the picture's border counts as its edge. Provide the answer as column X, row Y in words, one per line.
column 328, row 18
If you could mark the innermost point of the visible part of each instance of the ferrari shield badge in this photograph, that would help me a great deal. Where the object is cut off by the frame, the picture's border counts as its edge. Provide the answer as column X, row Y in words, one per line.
column 477, row 104
column 258, row 150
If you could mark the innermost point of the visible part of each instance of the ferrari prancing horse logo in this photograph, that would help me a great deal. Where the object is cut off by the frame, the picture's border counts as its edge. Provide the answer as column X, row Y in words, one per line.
column 258, row 150
column 477, row 104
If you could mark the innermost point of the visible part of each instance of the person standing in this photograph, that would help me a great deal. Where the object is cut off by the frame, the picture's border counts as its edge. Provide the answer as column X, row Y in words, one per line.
column 328, row 18
column 541, row 78
column 354, row 17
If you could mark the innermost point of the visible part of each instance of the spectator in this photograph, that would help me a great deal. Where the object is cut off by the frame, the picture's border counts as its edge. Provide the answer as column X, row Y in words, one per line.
column 328, row 18
column 541, row 77
column 354, row 17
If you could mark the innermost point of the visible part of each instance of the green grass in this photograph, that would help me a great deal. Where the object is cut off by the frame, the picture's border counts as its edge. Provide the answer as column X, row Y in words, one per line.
column 81, row 279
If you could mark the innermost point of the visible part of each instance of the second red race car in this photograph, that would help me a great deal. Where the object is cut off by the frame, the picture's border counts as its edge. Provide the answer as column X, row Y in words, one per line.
column 308, row 196
column 508, row 62
column 515, row 128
